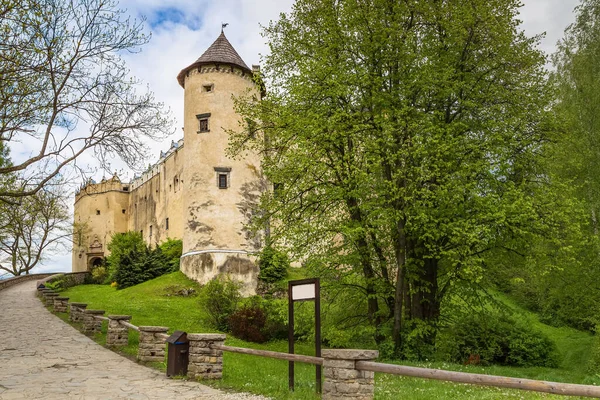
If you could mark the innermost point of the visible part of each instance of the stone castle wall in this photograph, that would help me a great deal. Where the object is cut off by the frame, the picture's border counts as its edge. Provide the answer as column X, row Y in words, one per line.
column 180, row 197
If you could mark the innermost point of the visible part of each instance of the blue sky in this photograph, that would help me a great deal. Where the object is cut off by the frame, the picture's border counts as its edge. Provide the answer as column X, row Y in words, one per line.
column 183, row 29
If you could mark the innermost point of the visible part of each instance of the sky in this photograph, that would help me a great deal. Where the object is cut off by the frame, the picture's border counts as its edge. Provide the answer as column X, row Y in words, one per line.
column 183, row 29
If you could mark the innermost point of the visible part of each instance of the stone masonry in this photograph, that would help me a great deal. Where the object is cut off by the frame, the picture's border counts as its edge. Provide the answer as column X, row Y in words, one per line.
column 204, row 362
column 49, row 298
column 60, row 304
column 152, row 343
column 76, row 311
column 91, row 324
column 117, row 334
column 342, row 379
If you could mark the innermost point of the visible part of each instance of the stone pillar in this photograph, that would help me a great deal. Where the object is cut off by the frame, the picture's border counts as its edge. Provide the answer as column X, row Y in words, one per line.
column 76, row 311
column 60, row 304
column 117, row 334
column 152, row 343
column 42, row 293
column 91, row 324
column 343, row 380
column 50, row 298
column 205, row 362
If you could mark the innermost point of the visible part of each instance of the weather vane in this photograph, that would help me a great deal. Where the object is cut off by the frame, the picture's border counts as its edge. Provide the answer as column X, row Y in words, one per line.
column 224, row 25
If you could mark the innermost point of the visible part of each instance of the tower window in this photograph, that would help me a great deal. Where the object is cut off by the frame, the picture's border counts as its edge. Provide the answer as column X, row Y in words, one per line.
column 150, row 231
column 167, row 224
column 97, row 212
column 123, row 211
column 203, row 125
column 222, row 181
column 222, row 177
column 208, row 88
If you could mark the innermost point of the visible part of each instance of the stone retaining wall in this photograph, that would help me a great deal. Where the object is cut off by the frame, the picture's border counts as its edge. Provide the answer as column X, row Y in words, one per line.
column 5, row 283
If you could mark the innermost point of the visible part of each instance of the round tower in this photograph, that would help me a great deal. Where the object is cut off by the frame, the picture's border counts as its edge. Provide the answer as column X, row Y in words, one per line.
column 219, row 193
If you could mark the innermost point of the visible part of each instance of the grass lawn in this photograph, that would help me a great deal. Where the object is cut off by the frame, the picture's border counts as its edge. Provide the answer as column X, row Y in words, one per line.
column 152, row 303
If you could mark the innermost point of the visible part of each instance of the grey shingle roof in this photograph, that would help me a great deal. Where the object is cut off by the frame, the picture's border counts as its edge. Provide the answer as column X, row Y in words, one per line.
column 220, row 52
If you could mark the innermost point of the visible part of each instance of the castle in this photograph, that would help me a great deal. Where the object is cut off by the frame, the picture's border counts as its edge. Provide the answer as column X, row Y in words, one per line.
column 194, row 192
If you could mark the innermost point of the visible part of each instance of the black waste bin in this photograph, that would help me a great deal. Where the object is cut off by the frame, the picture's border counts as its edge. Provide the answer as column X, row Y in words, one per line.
column 177, row 360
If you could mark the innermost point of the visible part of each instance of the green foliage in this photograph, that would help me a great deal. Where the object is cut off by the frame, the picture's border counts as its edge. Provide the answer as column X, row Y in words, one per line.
column 172, row 250
column 273, row 264
column 497, row 339
column 130, row 243
column 56, row 285
column 61, row 282
column 132, row 261
column 99, row 274
column 220, row 298
column 406, row 140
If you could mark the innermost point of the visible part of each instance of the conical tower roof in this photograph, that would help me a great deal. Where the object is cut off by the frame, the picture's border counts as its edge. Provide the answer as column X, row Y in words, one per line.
column 221, row 52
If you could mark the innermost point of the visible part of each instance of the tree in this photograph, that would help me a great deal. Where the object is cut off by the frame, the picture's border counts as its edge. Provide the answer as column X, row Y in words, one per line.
column 32, row 229
column 568, row 292
column 404, row 139
column 65, row 89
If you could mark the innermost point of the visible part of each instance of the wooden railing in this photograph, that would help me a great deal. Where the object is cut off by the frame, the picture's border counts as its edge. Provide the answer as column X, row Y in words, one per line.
column 565, row 389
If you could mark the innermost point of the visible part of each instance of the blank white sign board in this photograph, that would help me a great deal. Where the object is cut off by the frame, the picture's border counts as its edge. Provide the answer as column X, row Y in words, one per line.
column 303, row 292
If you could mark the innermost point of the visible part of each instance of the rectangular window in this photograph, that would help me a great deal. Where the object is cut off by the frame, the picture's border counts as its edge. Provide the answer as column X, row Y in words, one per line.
column 97, row 212
column 167, row 224
column 222, row 181
column 222, row 177
column 203, row 125
column 150, row 231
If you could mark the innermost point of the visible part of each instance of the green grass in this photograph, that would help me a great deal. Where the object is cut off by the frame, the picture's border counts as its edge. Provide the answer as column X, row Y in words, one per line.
column 149, row 304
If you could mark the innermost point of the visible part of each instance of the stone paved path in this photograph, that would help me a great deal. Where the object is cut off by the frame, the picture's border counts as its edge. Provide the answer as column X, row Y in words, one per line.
column 41, row 357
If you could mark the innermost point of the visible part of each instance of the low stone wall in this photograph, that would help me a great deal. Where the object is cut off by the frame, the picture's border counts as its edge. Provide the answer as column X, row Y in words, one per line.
column 5, row 283
column 76, row 278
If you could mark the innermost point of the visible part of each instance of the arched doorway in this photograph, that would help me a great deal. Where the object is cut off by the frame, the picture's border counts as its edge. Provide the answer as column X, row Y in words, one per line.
column 96, row 262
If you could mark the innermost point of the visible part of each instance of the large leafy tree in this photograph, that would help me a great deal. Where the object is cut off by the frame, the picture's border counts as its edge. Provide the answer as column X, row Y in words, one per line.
column 402, row 138
column 65, row 89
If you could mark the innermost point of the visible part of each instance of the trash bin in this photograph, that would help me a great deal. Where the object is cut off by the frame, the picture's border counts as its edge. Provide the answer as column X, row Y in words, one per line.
column 177, row 360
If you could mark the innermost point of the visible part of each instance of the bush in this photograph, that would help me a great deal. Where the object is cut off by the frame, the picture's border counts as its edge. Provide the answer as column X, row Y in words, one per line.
column 132, row 262
column 99, row 275
column 248, row 323
column 220, row 298
column 497, row 339
column 273, row 265
column 172, row 250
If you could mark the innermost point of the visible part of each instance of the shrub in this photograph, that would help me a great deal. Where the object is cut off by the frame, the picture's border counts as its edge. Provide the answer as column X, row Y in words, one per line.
column 220, row 298
column 497, row 339
column 248, row 323
column 172, row 250
column 132, row 262
column 273, row 265
column 130, row 243
column 99, row 274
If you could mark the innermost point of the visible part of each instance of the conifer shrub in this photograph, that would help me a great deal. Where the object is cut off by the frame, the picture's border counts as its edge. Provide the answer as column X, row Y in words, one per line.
column 132, row 262
column 172, row 250
column 273, row 265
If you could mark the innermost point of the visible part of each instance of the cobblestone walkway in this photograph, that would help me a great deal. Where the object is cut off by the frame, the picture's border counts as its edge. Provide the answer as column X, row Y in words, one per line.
column 41, row 357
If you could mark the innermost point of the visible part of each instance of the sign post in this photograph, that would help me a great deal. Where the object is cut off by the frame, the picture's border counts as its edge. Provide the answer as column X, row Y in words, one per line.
column 305, row 290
